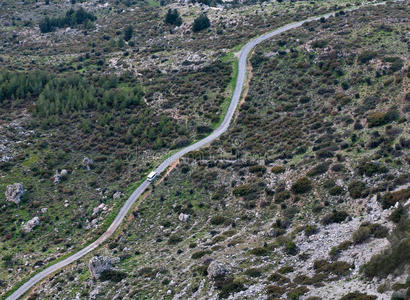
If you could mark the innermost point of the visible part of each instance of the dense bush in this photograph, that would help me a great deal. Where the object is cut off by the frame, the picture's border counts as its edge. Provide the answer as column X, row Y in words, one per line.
column 275, row 291
column 174, row 239
column 218, row 220
column 244, row 189
column 336, row 190
column 358, row 189
column 378, row 118
column 358, row 296
column 311, row 230
column 336, row 250
column 278, row 169
column 301, row 186
column 390, row 198
column 366, row 56
column 128, row 32
column 173, row 18
column 201, row 253
column 253, row 272
column 370, row 168
column 257, row 169
column 259, row 251
column 385, row 263
column 335, row 217
column 319, row 169
column 201, row 23
column 228, row 285
column 398, row 214
column 337, row 267
column 112, row 275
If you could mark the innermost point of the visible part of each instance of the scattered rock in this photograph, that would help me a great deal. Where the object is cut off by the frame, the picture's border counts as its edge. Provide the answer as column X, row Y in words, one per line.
column 218, row 269
column 64, row 173
column 87, row 162
column 183, row 217
column 28, row 227
column 14, row 192
column 57, row 178
column 117, row 195
column 97, row 210
column 99, row 264
column 44, row 210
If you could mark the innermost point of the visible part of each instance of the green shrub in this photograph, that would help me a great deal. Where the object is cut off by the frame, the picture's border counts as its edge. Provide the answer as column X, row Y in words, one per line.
column 391, row 259
column 337, row 268
column 291, row 248
column 244, row 189
column 174, row 239
column 301, row 186
column 358, row 189
column 390, row 198
column 358, row 296
column 319, row 169
column 282, row 196
column 201, row 23
column 311, row 230
column 280, row 279
column 335, row 217
column 398, row 214
column 278, row 169
column 378, row 118
column 201, row 253
column 253, row 272
column 370, row 168
column 336, row 190
column 218, row 220
column 228, row 285
column 112, row 275
column 275, row 291
column 297, row 292
column 366, row 56
column 259, row 251
column 361, row 234
column 257, row 169
column 285, row 269
column 336, row 250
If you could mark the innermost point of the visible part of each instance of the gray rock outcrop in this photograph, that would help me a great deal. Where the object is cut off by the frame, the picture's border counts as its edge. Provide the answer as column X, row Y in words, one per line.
column 217, row 269
column 87, row 162
column 29, row 226
column 14, row 192
column 183, row 217
column 99, row 264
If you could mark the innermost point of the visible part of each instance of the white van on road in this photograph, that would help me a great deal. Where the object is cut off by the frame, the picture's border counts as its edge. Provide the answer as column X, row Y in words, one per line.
column 152, row 176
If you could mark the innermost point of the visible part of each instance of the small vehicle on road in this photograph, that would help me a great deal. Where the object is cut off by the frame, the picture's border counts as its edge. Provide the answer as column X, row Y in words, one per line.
column 151, row 176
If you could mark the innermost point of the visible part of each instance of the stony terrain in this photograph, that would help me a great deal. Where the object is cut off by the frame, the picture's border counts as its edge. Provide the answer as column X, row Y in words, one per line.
column 295, row 201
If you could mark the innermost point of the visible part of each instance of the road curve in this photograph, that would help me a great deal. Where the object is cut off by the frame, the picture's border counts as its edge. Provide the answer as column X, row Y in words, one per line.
column 244, row 52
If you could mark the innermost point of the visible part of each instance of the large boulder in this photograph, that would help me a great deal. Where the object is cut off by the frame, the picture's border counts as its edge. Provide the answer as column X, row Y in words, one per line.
column 99, row 264
column 14, row 192
column 29, row 226
column 217, row 269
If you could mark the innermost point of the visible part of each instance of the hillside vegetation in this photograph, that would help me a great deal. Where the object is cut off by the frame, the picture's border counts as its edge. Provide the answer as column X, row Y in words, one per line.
column 306, row 195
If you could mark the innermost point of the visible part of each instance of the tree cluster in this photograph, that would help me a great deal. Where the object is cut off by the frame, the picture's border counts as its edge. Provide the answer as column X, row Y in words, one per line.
column 173, row 18
column 71, row 18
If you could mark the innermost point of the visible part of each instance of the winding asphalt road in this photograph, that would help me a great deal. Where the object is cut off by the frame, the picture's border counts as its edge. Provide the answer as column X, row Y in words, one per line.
column 167, row 162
